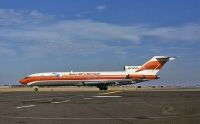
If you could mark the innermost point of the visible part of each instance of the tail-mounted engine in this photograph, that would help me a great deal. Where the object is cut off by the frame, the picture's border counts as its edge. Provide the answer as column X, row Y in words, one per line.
column 131, row 68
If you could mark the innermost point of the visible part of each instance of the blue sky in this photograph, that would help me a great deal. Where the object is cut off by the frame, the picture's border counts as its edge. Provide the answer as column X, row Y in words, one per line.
column 103, row 35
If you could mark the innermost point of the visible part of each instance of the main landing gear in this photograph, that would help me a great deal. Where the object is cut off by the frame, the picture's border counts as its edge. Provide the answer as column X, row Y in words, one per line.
column 102, row 87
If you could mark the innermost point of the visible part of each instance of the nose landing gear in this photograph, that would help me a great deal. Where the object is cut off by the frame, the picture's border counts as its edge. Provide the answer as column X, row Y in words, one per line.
column 35, row 88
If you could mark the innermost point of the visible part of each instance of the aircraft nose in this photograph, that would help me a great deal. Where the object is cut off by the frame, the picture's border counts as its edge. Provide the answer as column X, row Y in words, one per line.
column 23, row 81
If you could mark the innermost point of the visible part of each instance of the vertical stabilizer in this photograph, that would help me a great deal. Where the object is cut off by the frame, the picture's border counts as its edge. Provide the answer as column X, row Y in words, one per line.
column 154, row 65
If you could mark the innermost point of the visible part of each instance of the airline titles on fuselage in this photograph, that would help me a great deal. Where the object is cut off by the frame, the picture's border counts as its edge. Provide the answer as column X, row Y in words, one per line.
column 75, row 74
column 84, row 74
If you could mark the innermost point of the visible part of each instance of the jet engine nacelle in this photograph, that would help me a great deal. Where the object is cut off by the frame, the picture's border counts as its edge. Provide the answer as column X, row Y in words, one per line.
column 131, row 68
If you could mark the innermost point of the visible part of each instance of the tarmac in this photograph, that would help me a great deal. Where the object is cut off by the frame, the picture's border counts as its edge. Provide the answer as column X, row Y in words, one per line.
column 136, row 106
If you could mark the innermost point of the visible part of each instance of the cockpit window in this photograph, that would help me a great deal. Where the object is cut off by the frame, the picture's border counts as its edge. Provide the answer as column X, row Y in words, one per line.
column 26, row 77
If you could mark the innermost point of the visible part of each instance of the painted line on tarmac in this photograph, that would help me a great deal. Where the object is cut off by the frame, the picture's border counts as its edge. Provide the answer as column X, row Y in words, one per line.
column 87, row 98
column 43, row 99
column 107, row 96
column 60, row 102
column 27, row 106
column 111, row 92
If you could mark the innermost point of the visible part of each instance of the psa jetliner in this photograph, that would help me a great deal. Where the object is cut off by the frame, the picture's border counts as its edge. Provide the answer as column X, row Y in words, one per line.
column 130, row 75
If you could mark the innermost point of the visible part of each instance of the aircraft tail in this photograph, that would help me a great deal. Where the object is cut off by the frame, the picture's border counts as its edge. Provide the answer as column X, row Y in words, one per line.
column 154, row 65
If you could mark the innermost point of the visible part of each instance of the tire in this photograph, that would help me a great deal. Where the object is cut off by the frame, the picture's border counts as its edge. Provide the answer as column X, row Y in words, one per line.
column 105, row 88
column 36, row 89
column 102, row 87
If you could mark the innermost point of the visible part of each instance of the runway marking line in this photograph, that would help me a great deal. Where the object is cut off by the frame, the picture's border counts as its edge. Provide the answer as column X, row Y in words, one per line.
column 44, row 99
column 27, row 106
column 111, row 92
column 60, row 102
column 88, row 98
column 107, row 96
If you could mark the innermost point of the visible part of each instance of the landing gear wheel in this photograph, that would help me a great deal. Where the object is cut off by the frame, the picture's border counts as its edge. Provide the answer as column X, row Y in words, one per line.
column 103, row 87
column 35, row 89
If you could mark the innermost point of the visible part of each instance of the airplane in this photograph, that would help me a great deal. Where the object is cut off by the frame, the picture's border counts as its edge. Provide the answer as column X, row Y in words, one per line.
column 130, row 75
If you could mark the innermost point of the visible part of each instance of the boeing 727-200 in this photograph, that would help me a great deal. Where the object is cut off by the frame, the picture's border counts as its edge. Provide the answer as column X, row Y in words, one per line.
column 130, row 75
